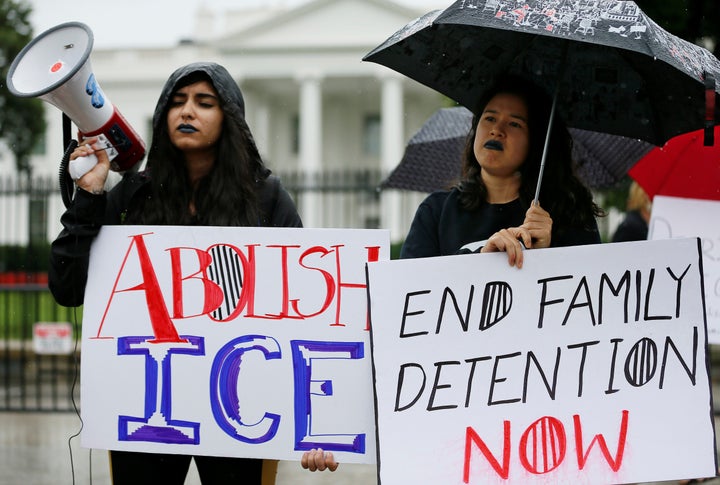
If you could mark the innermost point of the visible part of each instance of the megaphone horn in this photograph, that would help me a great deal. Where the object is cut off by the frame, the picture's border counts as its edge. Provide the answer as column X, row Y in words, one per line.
column 55, row 67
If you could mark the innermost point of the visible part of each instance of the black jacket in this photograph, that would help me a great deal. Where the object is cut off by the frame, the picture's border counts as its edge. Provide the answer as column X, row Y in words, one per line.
column 441, row 226
column 70, row 252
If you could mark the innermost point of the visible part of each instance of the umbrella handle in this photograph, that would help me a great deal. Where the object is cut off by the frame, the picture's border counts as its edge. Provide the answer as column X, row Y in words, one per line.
column 710, row 98
column 547, row 144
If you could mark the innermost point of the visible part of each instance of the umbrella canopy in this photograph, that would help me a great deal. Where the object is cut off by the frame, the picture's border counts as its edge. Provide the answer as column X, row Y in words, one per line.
column 614, row 70
column 432, row 158
column 684, row 167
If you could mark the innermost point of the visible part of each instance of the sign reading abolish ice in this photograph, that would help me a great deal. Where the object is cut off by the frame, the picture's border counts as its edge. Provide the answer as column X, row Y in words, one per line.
column 588, row 365
column 679, row 217
column 250, row 342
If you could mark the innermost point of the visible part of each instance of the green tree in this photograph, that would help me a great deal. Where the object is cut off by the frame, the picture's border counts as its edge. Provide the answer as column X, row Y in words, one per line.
column 22, row 121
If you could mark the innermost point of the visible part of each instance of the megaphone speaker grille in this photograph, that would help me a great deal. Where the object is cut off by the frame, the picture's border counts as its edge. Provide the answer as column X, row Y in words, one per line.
column 50, row 59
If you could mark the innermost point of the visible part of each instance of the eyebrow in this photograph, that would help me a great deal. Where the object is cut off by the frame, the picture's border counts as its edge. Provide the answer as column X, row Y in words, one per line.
column 494, row 111
column 198, row 95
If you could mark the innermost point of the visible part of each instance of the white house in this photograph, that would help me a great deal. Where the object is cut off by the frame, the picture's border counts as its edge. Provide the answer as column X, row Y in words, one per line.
column 311, row 102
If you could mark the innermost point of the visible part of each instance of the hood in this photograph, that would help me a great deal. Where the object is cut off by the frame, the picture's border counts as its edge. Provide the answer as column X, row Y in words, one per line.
column 224, row 84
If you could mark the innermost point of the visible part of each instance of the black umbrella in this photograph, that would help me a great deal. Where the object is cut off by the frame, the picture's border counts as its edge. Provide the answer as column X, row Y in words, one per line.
column 613, row 69
column 432, row 158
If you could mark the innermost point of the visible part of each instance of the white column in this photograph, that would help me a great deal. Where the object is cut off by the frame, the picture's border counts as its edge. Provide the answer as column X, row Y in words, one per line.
column 260, row 129
column 311, row 146
column 393, row 146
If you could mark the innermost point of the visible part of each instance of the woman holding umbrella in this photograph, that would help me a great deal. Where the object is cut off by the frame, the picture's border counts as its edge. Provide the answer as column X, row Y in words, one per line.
column 492, row 207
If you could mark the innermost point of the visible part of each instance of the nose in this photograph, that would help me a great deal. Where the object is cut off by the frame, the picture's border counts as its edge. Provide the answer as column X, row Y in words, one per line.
column 186, row 111
column 498, row 129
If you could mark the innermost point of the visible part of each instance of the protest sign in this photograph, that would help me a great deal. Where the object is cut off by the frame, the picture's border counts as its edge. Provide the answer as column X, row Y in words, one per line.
column 678, row 217
column 248, row 342
column 588, row 365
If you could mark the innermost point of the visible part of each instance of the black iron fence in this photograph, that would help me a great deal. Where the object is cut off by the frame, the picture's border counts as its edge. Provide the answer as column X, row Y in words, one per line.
column 39, row 350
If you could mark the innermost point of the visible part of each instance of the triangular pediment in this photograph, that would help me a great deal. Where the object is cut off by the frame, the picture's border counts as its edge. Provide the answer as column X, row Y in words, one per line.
column 322, row 24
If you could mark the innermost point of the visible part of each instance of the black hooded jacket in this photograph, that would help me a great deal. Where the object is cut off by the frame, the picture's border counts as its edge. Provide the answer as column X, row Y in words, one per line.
column 70, row 252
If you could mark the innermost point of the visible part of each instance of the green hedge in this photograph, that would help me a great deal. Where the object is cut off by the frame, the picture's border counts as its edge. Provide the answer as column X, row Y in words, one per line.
column 25, row 258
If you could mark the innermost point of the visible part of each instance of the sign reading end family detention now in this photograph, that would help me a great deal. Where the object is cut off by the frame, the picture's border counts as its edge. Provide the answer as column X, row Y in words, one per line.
column 247, row 342
column 588, row 365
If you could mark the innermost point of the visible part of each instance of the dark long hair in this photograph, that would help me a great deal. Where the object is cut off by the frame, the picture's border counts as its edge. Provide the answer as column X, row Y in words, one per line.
column 562, row 194
column 226, row 196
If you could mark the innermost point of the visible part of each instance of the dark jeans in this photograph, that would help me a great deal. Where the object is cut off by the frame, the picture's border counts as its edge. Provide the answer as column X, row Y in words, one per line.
column 133, row 468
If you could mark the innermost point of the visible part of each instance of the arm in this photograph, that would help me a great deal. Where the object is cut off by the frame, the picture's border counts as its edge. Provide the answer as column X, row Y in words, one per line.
column 422, row 238
column 70, row 251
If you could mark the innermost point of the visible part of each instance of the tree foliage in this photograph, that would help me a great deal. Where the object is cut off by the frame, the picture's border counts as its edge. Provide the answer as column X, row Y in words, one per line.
column 22, row 122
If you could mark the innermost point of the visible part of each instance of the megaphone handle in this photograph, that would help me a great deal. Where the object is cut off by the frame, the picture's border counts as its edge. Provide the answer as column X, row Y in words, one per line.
column 82, row 165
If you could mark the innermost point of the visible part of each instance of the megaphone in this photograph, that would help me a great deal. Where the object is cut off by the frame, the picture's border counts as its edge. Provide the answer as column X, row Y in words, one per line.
column 55, row 67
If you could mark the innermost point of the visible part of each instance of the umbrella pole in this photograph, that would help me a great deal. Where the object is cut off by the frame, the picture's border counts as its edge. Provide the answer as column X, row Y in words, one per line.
column 547, row 143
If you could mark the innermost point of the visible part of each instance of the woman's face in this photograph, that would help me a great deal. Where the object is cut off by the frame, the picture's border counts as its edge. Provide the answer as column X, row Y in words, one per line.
column 502, row 138
column 195, row 118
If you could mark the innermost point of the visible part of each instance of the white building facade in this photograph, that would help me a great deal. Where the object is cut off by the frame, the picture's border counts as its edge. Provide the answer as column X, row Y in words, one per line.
column 311, row 102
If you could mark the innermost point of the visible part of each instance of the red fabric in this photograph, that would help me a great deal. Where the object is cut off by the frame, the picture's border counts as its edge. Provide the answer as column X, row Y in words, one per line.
column 684, row 167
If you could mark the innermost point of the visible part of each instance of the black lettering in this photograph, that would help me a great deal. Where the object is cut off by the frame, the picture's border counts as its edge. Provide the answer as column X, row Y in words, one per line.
column 641, row 362
column 615, row 290
column 436, row 385
column 669, row 343
column 497, row 301
column 543, row 299
column 409, row 314
column 610, row 389
column 401, row 380
column 471, row 374
column 678, row 292
column 550, row 388
column 587, row 303
column 581, row 368
column 495, row 379
column 647, row 316
column 463, row 321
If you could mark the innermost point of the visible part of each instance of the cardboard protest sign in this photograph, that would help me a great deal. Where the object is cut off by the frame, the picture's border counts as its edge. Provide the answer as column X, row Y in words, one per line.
column 677, row 217
column 248, row 342
column 588, row 365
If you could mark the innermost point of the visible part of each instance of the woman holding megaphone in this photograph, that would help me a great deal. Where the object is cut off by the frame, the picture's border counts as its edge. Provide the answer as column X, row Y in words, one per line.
column 203, row 168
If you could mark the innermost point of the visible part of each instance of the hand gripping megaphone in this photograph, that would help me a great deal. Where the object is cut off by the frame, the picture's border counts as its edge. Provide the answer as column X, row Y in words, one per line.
column 55, row 67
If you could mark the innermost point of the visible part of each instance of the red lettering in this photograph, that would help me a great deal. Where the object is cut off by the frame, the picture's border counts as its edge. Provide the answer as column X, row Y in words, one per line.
column 212, row 294
column 284, row 311
column 373, row 256
column 247, row 293
column 542, row 447
column 544, row 441
column 329, row 282
column 615, row 463
column 471, row 437
column 163, row 328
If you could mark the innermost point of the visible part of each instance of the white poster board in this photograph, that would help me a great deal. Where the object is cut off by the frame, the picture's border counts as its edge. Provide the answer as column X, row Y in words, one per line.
column 678, row 217
column 586, row 366
column 248, row 342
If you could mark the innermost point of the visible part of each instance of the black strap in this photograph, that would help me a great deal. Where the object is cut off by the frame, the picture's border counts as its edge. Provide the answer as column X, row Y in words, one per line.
column 67, row 188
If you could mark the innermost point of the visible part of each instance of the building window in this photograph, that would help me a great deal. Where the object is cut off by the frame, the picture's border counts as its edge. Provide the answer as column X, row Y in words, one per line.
column 371, row 135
